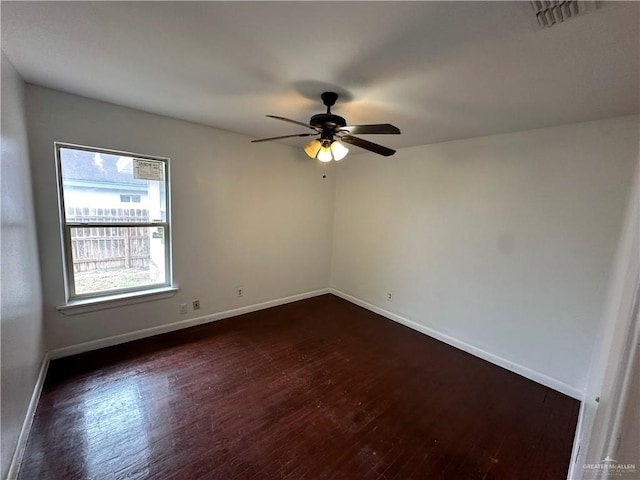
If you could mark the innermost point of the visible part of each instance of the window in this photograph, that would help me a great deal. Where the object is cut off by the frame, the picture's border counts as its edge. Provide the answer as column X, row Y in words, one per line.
column 130, row 198
column 114, row 213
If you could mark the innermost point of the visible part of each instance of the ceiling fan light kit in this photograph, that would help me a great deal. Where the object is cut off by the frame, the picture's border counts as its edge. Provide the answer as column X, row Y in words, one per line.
column 326, row 150
column 333, row 128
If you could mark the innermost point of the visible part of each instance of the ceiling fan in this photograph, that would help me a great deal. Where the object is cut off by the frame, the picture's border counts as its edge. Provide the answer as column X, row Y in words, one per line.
column 332, row 130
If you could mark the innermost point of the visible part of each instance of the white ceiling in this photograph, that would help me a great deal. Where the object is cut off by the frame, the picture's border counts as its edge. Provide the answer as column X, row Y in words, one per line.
column 437, row 70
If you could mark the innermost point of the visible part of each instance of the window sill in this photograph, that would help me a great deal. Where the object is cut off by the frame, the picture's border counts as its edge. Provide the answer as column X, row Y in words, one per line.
column 77, row 307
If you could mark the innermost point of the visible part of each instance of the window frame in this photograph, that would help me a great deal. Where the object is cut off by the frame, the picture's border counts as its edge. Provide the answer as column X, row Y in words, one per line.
column 66, row 227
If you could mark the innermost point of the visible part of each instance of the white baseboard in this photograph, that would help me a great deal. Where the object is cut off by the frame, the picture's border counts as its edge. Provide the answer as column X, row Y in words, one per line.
column 18, row 454
column 191, row 322
column 538, row 377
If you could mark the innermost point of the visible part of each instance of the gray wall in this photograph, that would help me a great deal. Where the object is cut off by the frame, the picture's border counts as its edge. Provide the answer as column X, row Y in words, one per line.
column 253, row 215
column 502, row 244
column 21, row 300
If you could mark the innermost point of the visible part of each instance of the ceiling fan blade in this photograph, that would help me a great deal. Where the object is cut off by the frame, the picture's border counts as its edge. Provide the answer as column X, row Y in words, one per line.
column 293, row 121
column 379, row 128
column 284, row 136
column 372, row 147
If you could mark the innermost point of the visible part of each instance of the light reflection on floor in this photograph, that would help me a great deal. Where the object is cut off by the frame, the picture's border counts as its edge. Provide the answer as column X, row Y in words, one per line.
column 114, row 411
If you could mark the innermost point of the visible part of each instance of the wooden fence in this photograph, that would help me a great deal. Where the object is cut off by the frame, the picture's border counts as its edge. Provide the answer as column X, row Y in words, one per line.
column 103, row 248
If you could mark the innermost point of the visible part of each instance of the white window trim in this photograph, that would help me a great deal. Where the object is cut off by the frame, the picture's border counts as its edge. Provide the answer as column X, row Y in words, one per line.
column 76, row 307
column 111, row 298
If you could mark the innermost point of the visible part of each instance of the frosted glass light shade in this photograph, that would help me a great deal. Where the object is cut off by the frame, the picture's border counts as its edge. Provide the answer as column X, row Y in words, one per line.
column 324, row 155
column 339, row 150
column 326, row 150
column 312, row 148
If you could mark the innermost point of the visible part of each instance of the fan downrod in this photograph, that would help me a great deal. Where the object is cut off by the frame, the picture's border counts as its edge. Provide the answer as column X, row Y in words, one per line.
column 327, row 122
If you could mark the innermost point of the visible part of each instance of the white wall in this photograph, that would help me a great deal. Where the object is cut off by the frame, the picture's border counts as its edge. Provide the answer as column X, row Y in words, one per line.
column 20, row 301
column 253, row 215
column 502, row 243
column 612, row 357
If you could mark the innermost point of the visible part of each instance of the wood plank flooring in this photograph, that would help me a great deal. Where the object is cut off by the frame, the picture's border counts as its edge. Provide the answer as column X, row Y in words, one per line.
column 317, row 389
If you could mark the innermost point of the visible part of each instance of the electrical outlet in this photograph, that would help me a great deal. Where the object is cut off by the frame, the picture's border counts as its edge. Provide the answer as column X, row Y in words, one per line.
column 390, row 296
column 196, row 304
column 183, row 308
column 240, row 291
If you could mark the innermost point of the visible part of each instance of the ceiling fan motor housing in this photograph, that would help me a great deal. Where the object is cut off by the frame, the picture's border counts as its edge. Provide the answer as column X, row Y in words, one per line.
column 327, row 120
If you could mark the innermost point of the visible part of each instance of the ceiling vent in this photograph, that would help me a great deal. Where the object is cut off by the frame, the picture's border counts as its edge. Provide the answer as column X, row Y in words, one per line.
column 552, row 12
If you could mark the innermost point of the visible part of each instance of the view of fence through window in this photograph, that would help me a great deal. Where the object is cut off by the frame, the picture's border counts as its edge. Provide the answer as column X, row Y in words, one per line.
column 115, row 221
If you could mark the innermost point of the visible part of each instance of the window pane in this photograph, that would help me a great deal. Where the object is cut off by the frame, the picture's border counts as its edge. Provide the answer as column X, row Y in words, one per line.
column 113, row 258
column 102, row 187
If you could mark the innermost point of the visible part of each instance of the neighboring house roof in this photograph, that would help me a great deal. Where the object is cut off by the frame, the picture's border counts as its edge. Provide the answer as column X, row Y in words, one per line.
column 95, row 167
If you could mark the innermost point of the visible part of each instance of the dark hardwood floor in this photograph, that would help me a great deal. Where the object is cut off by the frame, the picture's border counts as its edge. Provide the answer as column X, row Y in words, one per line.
column 317, row 389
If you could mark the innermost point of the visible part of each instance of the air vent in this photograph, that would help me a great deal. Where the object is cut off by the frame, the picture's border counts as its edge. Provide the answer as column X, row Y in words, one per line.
column 552, row 12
